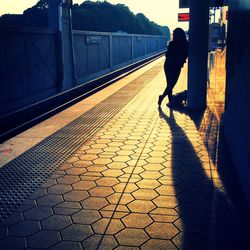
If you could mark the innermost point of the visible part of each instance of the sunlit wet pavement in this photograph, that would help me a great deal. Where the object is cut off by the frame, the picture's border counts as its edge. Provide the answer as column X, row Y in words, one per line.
column 147, row 179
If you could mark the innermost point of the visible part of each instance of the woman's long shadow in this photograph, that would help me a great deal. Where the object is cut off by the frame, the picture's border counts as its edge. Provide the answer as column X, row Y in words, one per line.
column 200, row 202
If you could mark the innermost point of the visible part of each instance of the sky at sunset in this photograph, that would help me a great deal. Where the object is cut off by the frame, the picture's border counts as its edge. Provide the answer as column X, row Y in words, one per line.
column 163, row 12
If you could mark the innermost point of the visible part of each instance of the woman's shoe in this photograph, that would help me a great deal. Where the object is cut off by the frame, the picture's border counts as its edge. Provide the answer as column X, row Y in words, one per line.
column 160, row 100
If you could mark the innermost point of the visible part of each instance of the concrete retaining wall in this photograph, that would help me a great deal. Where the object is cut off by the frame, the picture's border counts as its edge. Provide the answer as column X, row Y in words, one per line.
column 97, row 53
column 31, row 61
column 28, row 67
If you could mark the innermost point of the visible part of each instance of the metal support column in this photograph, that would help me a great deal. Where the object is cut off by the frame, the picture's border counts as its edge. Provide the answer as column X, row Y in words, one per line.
column 198, row 54
column 60, row 20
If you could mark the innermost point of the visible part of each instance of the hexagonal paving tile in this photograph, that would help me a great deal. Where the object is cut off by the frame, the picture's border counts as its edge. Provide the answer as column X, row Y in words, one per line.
column 159, row 245
column 73, row 159
column 163, row 218
column 102, row 161
column 145, row 194
column 84, row 185
column 49, row 200
column 37, row 213
column 100, row 226
column 95, row 203
column 157, row 153
column 160, row 230
column 76, row 232
column 49, row 183
column 125, row 152
column 24, row 228
column 155, row 159
column 114, row 198
column 92, row 242
column 119, row 187
column 131, row 237
column 166, row 190
column 141, row 206
column 115, row 144
column 137, row 220
column 153, row 167
column 165, row 211
column 101, row 191
column 151, row 175
column 126, row 198
column 94, row 151
column 99, row 145
column 117, row 165
column 131, row 187
column 82, row 164
column 56, row 222
column 69, row 204
column 40, row 192
column 128, row 170
column 68, row 179
column 65, row 210
column 96, row 168
column 166, row 201
column 76, row 171
column 66, row 245
column 86, row 216
column 107, row 181
column 88, row 157
column 76, row 195
column 108, row 242
column 121, row 158
column 127, row 248
column 112, row 173
column 150, row 184
column 114, row 226
column 59, row 189
column 43, row 239
column 111, row 149
column 129, row 147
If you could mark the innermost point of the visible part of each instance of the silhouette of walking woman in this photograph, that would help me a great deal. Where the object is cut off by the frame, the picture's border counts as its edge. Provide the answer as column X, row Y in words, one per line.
column 176, row 56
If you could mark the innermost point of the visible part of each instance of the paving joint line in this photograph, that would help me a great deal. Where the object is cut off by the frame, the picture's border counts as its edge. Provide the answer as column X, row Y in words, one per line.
column 130, row 176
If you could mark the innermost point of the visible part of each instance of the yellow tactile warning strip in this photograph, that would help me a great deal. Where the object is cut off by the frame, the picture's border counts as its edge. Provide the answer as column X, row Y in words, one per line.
column 17, row 145
column 22, row 176
column 143, row 181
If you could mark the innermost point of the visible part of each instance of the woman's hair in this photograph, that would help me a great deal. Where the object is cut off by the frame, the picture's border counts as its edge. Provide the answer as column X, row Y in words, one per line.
column 179, row 35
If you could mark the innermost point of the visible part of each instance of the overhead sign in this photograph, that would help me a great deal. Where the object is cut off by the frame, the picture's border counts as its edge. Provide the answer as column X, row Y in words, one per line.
column 212, row 3
column 183, row 17
column 183, row 4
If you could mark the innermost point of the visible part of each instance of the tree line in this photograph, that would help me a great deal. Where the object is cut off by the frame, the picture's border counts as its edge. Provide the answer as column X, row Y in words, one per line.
column 91, row 16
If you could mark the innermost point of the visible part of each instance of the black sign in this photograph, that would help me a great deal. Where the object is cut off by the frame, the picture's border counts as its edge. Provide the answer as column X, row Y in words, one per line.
column 212, row 3
column 183, row 4
column 93, row 39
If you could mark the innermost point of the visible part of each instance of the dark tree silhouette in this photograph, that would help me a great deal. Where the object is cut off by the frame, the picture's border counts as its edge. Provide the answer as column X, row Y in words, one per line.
column 91, row 16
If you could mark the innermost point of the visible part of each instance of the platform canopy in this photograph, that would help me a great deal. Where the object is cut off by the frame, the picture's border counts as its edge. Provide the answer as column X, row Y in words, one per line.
column 213, row 3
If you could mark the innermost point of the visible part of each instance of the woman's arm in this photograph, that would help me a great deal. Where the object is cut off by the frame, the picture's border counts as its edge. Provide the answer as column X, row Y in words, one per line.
column 169, row 50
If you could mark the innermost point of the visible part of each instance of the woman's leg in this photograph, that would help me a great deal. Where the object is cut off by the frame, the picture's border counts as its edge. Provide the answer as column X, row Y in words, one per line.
column 165, row 92
column 172, row 75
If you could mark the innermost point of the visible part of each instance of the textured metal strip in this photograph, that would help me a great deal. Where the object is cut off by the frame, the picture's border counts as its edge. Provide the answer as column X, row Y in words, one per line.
column 22, row 176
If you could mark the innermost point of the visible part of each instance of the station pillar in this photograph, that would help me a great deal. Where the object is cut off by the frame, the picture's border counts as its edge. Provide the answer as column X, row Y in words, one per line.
column 59, row 19
column 198, row 54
